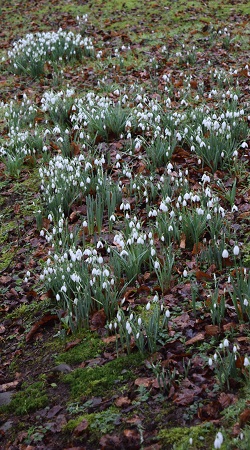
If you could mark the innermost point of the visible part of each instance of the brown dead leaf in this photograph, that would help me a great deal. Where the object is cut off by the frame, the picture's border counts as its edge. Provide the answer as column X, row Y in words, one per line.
column 211, row 330
column 202, row 276
column 110, row 339
column 184, row 321
column 183, row 241
column 98, row 320
column 184, row 398
column 226, row 399
column 6, row 386
column 245, row 417
column 229, row 326
column 131, row 434
column 81, row 428
column 44, row 320
column 197, row 338
column 5, row 279
column 72, row 344
column 122, row 402
column 110, row 442
column 146, row 382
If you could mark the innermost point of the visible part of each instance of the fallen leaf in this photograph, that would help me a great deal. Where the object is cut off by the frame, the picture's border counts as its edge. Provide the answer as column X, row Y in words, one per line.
column 98, row 320
column 44, row 320
column 244, row 417
column 226, row 399
column 109, row 339
column 211, row 330
column 110, row 442
column 184, row 398
column 72, row 344
column 54, row 411
column 81, row 428
column 197, row 338
column 146, row 382
column 122, row 402
column 202, row 276
column 6, row 386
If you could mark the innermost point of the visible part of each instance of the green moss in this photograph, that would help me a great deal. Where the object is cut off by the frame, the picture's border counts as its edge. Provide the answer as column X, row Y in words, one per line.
column 32, row 398
column 90, row 347
column 27, row 311
column 99, row 380
column 5, row 229
column 6, row 258
column 179, row 438
column 99, row 423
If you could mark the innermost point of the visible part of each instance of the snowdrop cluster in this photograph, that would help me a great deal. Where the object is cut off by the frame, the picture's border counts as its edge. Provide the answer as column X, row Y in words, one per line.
column 53, row 100
column 47, row 46
column 141, row 328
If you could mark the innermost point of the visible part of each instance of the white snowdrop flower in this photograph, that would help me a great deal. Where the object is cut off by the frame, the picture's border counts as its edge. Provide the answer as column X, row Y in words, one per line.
column 156, row 298
column 226, row 343
column 234, row 348
column 119, row 318
column 215, row 356
column 156, row 265
column 245, row 302
column 139, row 321
column 218, row 440
column 236, row 250
column 167, row 313
column 185, row 273
column 153, row 252
column 163, row 207
column 246, row 362
column 58, row 297
column 210, row 362
column 148, row 306
column 225, row 254
column 63, row 288
column 42, row 233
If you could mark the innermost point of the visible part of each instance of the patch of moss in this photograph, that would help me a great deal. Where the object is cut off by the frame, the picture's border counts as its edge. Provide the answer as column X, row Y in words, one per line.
column 179, row 437
column 5, row 229
column 27, row 311
column 99, row 380
column 6, row 258
column 90, row 347
column 30, row 399
column 99, row 423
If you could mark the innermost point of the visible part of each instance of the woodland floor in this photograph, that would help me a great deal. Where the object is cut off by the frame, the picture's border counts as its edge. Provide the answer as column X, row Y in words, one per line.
column 60, row 390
